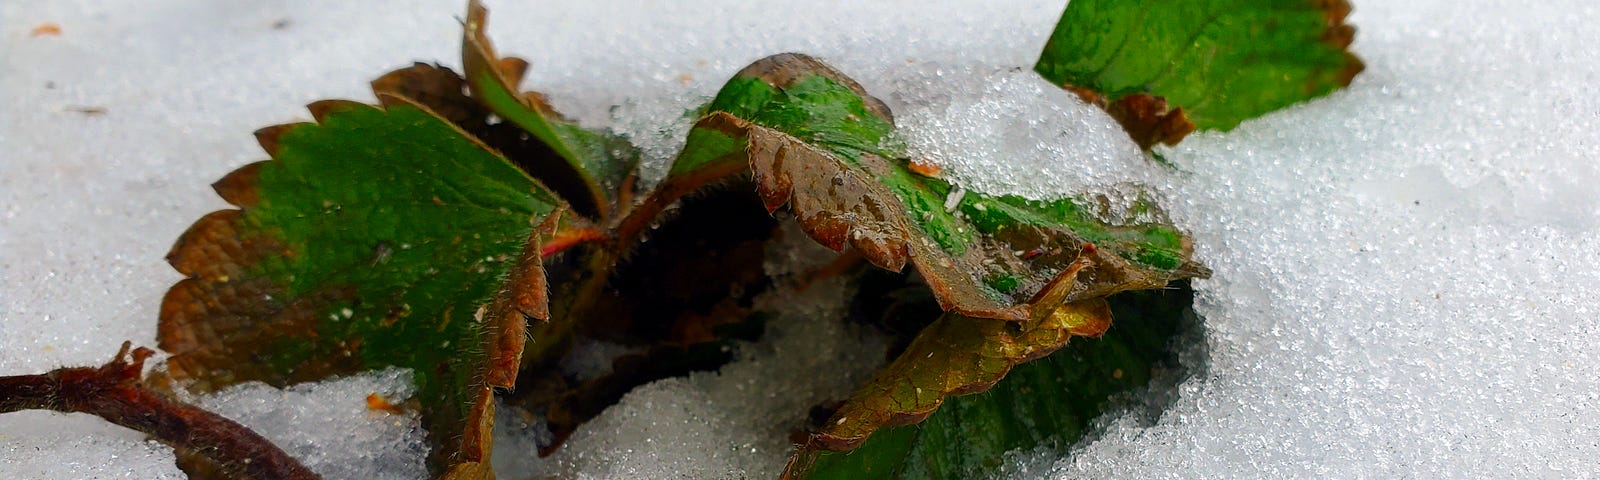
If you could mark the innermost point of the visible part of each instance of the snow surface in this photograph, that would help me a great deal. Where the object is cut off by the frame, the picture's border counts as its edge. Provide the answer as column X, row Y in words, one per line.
column 1406, row 271
column 306, row 419
column 733, row 423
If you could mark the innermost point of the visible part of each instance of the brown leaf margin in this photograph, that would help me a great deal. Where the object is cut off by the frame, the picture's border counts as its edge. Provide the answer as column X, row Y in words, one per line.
column 189, row 327
column 1148, row 119
column 876, row 405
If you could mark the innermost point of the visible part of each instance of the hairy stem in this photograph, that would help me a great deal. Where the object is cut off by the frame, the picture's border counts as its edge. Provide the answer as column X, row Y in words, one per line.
column 116, row 393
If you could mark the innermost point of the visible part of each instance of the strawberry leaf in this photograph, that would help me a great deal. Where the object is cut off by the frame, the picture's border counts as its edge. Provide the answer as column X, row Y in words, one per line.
column 1017, row 278
column 817, row 143
column 594, row 167
column 373, row 238
column 955, row 355
column 1046, row 404
column 1165, row 67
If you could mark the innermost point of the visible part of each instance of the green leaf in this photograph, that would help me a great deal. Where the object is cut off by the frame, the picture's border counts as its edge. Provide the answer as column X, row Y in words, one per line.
column 1219, row 62
column 373, row 238
column 595, row 166
column 819, row 144
column 1046, row 404
column 759, row 93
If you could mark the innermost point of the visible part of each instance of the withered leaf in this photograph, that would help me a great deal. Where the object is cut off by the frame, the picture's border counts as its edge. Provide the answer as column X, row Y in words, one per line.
column 1044, row 405
column 955, row 355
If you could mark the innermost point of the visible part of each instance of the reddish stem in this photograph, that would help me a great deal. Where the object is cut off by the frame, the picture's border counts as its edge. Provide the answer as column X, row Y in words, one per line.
column 566, row 239
column 116, row 393
column 630, row 228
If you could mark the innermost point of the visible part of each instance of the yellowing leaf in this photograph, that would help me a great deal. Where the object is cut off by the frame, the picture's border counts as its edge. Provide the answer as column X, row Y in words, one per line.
column 956, row 355
column 1046, row 405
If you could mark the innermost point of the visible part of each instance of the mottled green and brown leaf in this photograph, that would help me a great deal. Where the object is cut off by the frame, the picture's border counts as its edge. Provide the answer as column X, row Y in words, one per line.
column 957, row 355
column 1016, row 278
column 818, row 144
column 1045, row 405
column 372, row 238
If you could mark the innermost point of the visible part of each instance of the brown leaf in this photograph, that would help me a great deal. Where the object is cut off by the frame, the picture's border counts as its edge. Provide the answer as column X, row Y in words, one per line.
column 1146, row 118
column 436, row 87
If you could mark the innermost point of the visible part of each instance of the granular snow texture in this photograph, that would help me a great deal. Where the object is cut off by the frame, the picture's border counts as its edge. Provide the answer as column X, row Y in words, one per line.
column 1406, row 271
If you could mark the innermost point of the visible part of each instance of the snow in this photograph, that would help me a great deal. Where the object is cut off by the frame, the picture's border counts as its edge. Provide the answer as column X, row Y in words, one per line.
column 734, row 423
column 305, row 419
column 39, row 445
column 1405, row 270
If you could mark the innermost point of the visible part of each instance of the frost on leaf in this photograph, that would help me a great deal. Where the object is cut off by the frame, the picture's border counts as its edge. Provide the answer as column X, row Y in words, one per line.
column 818, row 144
column 375, row 237
column 1165, row 67
column 1016, row 278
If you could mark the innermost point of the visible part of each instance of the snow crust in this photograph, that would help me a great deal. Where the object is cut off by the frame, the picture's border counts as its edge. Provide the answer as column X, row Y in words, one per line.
column 41, row 445
column 1406, row 271
column 305, row 420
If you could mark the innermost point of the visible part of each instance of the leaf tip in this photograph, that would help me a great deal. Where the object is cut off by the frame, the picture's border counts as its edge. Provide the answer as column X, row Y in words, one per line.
column 269, row 137
column 512, row 69
column 1147, row 119
column 322, row 109
column 1352, row 66
column 238, row 187
column 1088, row 318
column 1335, row 10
